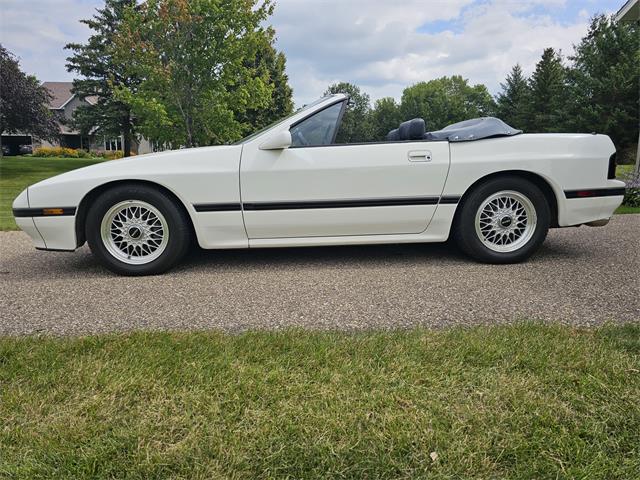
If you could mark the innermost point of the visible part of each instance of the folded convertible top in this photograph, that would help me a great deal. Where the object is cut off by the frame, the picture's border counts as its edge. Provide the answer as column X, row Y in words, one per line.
column 473, row 129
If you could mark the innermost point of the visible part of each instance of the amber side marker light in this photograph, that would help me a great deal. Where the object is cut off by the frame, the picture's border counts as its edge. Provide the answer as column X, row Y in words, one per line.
column 52, row 211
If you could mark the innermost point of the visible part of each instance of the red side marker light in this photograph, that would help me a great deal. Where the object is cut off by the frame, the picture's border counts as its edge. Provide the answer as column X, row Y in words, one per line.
column 585, row 193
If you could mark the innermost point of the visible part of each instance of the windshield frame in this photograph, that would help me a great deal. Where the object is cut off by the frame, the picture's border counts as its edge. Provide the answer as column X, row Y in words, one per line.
column 275, row 124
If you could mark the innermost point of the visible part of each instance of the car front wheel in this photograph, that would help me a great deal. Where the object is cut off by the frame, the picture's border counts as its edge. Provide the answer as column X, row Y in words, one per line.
column 137, row 230
column 504, row 220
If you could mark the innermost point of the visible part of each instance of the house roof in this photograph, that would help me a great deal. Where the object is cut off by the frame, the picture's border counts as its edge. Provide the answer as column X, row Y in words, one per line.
column 61, row 92
column 629, row 12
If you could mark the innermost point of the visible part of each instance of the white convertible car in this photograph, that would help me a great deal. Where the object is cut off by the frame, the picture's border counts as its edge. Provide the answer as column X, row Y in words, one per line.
column 495, row 190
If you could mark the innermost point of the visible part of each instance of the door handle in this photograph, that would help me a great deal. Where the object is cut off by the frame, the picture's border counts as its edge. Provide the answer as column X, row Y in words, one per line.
column 419, row 156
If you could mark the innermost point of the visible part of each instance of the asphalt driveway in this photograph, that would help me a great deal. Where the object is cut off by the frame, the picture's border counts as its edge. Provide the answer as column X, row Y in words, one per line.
column 582, row 276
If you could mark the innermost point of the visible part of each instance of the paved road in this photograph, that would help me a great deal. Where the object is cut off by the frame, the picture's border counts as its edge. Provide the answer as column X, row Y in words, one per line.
column 582, row 276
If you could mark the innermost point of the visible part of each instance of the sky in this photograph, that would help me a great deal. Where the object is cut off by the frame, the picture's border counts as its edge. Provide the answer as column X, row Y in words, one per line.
column 381, row 45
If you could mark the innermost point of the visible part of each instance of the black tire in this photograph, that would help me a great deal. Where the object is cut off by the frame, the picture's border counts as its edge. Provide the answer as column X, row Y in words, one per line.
column 177, row 223
column 470, row 241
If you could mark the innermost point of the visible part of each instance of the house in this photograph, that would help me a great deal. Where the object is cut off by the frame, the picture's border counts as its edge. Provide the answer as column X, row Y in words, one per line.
column 629, row 12
column 63, row 103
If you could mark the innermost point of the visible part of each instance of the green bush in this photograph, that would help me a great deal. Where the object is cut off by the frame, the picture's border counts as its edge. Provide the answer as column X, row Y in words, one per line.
column 61, row 152
column 632, row 192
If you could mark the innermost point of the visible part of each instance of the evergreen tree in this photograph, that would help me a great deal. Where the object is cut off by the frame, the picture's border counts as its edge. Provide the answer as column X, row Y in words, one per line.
column 512, row 102
column 384, row 117
column 604, row 81
column 548, row 98
column 101, row 72
column 355, row 126
column 24, row 103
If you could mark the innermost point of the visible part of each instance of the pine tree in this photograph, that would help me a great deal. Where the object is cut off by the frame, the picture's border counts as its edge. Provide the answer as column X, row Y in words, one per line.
column 512, row 102
column 548, row 99
column 605, row 80
column 101, row 72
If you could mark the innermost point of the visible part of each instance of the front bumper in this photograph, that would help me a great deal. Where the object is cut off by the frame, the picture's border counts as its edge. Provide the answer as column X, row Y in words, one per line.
column 54, row 232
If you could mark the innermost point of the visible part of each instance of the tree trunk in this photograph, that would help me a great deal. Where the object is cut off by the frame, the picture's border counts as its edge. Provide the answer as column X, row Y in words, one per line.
column 126, row 136
column 636, row 170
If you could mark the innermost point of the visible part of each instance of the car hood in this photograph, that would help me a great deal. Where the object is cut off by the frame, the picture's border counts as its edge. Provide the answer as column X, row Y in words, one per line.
column 150, row 164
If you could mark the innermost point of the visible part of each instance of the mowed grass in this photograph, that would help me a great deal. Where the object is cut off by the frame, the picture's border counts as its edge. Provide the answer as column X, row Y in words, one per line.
column 523, row 401
column 17, row 173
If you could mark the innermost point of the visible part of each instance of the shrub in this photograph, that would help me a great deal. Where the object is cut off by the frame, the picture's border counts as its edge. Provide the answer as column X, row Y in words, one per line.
column 110, row 155
column 61, row 152
column 632, row 192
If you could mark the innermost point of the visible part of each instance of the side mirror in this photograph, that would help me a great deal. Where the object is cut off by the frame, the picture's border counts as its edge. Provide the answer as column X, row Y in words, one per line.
column 279, row 141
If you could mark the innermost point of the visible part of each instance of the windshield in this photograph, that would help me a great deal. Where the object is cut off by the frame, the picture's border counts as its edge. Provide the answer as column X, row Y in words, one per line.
column 277, row 122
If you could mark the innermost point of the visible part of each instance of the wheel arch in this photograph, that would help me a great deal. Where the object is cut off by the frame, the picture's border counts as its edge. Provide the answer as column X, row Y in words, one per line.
column 91, row 195
column 542, row 183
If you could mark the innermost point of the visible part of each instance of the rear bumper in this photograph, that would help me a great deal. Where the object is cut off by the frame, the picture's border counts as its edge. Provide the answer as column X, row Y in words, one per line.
column 590, row 206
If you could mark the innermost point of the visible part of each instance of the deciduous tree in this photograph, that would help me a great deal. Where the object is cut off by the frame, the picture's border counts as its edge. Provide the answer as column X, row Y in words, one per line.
column 384, row 117
column 445, row 101
column 191, row 57
column 24, row 103
column 270, row 65
column 355, row 126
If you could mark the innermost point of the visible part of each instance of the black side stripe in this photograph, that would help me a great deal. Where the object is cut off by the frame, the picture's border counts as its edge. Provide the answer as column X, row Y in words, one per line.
column 595, row 192
column 316, row 204
column 217, row 207
column 355, row 203
column 39, row 212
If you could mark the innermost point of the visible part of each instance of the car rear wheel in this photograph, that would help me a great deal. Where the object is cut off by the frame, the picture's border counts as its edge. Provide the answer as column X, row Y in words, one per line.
column 504, row 220
column 137, row 230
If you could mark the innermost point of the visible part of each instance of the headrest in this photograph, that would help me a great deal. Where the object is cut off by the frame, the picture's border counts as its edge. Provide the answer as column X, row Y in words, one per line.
column 412, row 129
column 393, row 135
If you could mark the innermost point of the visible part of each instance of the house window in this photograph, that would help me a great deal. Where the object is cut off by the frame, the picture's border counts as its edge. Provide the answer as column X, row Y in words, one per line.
column 113, row 143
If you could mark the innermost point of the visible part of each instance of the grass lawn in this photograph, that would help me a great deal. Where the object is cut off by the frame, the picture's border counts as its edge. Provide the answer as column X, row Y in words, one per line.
column 17, row 173
column 524, row 401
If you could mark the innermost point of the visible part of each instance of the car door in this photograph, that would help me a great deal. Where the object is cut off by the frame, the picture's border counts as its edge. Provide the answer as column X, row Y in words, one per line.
column 316, row 188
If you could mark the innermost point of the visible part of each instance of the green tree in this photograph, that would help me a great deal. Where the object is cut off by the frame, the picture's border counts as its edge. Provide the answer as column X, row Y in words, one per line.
column 191, row 58
column 384, row 117
column 548, row 98
column 24, row 103
column 604, row 81
column 512, row 102
column 446, row 100
column 270, row 65
column 355, row 126
column 95, row 61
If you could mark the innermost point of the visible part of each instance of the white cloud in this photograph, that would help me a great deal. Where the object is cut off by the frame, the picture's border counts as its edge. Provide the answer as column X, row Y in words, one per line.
column 383, row 46
column 37, row 31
